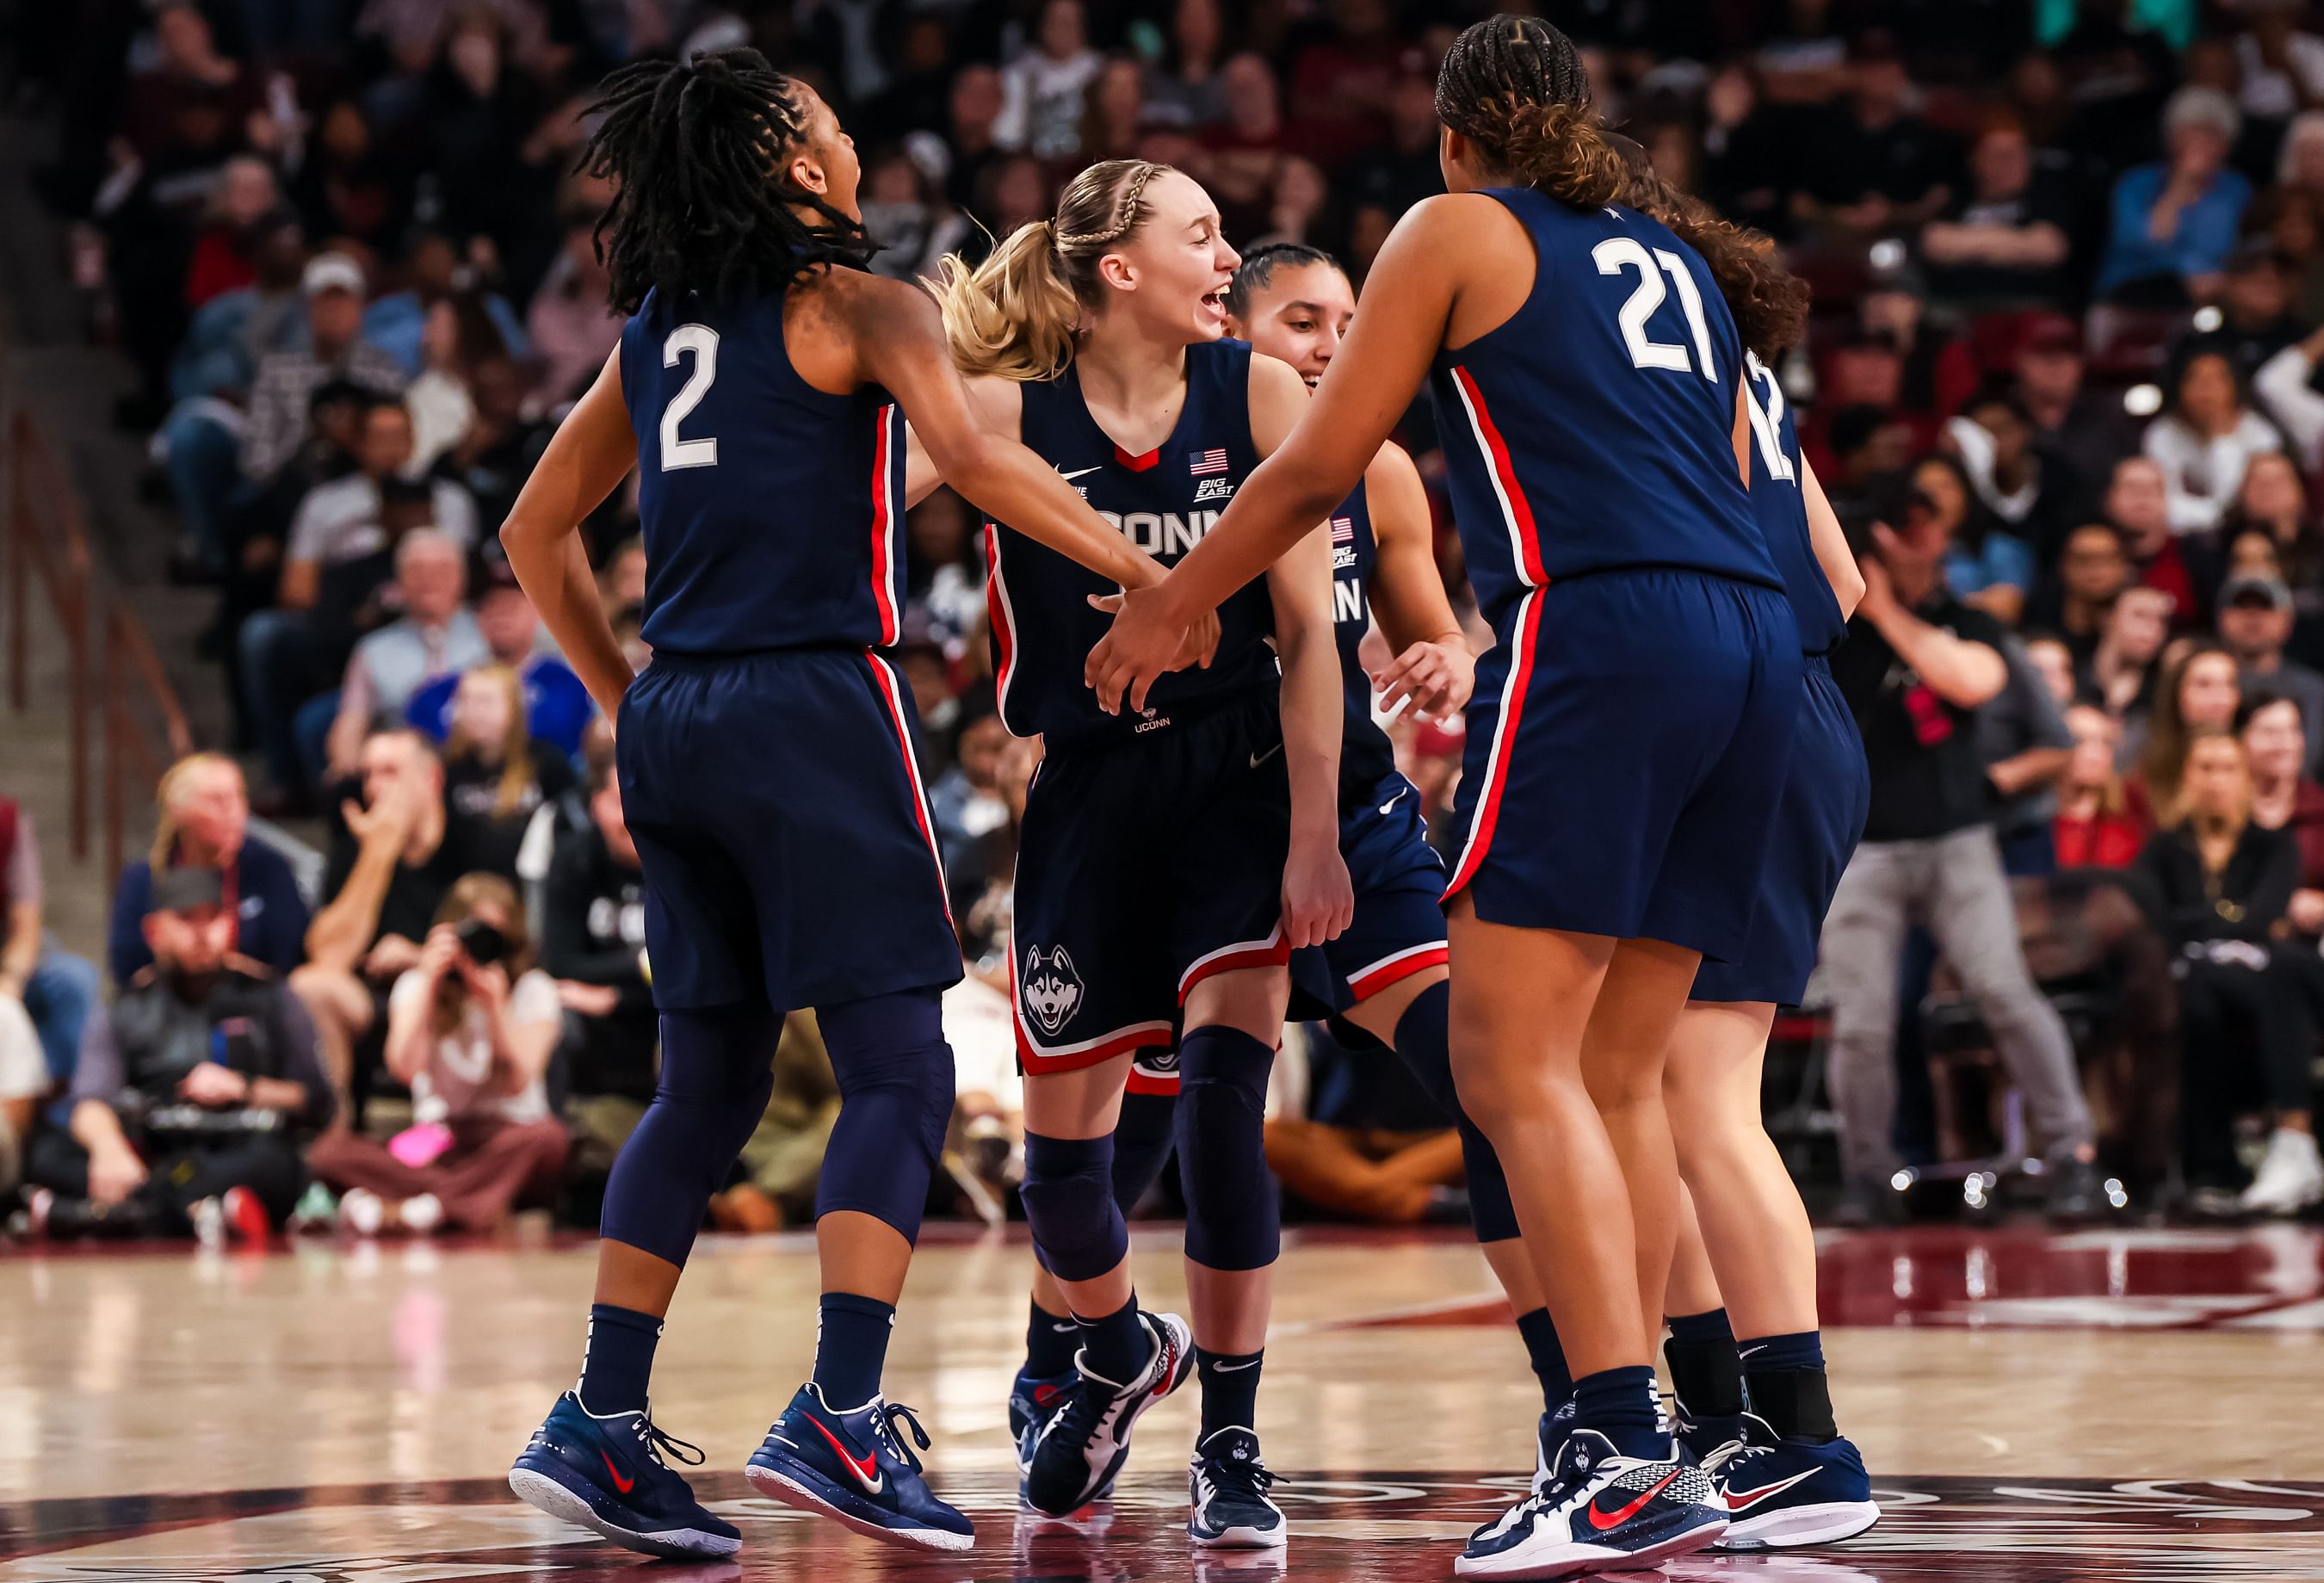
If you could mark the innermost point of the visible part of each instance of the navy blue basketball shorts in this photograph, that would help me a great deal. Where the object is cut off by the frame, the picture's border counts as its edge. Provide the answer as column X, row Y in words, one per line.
column 1143, row 868
column 1817, row 824
column 789, row 858
column 1398, row 928
column 1627, row 745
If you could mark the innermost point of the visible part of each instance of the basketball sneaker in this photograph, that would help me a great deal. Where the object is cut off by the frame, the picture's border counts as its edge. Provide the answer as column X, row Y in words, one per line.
column 1547, row 1437
column 1031, row 1399
column 1781, row 1494
column 1599, row 1512
column 1227, row 1484
column 1080, row 1447
column 1701, row 1436
column 851, row 1467
column 607, row 1474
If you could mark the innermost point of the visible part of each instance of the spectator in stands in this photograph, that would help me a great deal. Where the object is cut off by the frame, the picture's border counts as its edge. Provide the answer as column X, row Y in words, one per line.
column 2255, row 303
column 593, row 942
column 2200, row 692
column 569, row 325
column 341, row 521
column 435, row 634
column 2029, row 496
column 2096, row 827
column 1383, row 184
column 557, row 706
column 495, row 777
column 57, row 989
column 2205, row 438
column 241, row 214
column 2220, row 886
column 191, row 1095
column 2284, row 384
column 1182, row 88
column 398, row 323
column 2138, row 502
column 2255, row 617
column 944, row 572
column 1043, row 89
column 783, row 1160
column 203, row 822
column 1869, row 166
column 2022, row 737
column 966, row 799
column 1371, row 1146
column 2174, row 222
column 471, row 1026
column 390, row 868
column 24, row 1082
column 2285, row 796
column 1987, row 568
column 1917, row 666
column 2086, row 431
column 460, row 336
column 350, row 185
column 2004, row 242
column 2093, row 569
column 2054, row 662
column 495, row 455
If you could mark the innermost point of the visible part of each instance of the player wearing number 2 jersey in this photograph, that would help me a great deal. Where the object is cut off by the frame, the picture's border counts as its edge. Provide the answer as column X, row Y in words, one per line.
column 761, row 388
column 1628, row 734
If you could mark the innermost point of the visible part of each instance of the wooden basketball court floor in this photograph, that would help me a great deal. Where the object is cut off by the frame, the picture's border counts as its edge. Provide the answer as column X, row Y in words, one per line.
column 2136, row 1405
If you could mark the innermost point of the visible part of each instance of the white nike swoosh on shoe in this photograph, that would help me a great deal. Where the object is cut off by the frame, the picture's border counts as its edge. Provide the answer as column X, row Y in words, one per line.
column 1076, row 473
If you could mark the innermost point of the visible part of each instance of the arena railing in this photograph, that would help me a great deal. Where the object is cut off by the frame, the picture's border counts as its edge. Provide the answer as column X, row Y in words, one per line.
column 47, row 538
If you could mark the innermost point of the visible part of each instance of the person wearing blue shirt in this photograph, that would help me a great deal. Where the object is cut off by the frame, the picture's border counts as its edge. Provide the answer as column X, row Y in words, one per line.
column 2175, row 221
column 204, row 815
column 557, row 707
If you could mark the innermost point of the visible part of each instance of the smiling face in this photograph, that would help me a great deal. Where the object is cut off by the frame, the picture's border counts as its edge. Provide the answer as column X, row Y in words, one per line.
column 1173, row 271
column 1300, row 315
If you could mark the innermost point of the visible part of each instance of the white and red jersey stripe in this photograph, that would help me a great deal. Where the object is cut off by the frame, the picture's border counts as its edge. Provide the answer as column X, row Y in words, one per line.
column 888, row 523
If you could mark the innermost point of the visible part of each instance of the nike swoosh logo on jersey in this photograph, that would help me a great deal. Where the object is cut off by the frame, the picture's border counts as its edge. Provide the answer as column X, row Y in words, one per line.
column 623, row 1485
column 1602, row 1520
column 1743, row 1500
column 866, row 1470
column 1259, row 759
column 1076, row 473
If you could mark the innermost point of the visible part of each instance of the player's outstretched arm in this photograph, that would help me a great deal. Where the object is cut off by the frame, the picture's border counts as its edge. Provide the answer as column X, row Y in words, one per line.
column 1830, row 542
column 592, row 451
column 1318, row 898
column 1407, row 299
column 1434, row 671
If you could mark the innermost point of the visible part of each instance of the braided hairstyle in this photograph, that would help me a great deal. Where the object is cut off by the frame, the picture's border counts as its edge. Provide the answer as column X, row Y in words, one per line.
column 1770, row 303
column 1016, row 314
column 697, row 150
column 1515, row 87
column 1257, row 271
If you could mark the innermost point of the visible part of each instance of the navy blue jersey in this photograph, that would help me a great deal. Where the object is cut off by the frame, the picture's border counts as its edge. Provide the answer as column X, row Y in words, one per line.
column 1778, row 501
column 1164, row 502
column 1366, row 758
column 1594, row 431
column 772, row 511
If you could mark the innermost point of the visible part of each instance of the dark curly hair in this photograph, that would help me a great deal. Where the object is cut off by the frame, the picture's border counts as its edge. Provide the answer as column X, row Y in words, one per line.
column 1516, row 87
column 696, row 150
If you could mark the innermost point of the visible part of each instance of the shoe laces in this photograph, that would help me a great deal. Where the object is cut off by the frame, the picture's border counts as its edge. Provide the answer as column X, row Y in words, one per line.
column 1086, row 1405
column 1727, row 1457
column 884, row 1423
column 1242, row 1475
column 658, row 1440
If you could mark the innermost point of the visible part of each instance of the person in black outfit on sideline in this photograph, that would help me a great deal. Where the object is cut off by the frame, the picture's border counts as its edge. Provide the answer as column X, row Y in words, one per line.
column 2220, row 887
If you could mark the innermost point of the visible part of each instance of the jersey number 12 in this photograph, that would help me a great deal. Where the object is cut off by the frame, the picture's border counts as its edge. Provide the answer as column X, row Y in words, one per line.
column 1617, row 253
column 702, row 341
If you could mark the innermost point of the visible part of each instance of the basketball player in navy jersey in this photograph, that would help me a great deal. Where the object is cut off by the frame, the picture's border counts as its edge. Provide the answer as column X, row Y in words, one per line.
column 1385, row 978
column 1171, row 860
column 760, row 387
column 1628, row 738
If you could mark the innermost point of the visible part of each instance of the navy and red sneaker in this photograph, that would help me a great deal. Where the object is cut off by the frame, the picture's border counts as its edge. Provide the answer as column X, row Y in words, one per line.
column 1701, row 1435
column 1076, row 1453
column 1783, row 1493
column 607, row 1475
column 1031, row 1399
column 1599, row 1511
column 851, row 1467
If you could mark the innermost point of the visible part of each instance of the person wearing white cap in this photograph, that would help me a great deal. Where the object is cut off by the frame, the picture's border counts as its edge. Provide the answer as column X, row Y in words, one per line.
column 2174, row 221
column 333, row 284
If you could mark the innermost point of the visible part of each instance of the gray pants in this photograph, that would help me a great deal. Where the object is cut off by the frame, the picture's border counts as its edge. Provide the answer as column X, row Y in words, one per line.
column 1953, row 885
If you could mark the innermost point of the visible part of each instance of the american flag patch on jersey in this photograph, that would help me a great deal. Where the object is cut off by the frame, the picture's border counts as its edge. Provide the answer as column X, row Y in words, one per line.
column 1202, row 462
column 1343, row 531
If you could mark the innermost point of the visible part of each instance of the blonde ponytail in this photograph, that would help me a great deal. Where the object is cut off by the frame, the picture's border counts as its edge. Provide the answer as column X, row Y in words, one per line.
column 1016, row 314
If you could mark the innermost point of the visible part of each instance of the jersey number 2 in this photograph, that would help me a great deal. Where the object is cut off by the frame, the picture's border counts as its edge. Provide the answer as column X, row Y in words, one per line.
column 702, row 341
column 1617, row 253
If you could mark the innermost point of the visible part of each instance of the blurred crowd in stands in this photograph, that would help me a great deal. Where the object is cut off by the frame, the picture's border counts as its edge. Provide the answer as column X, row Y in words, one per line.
column 2061, row 380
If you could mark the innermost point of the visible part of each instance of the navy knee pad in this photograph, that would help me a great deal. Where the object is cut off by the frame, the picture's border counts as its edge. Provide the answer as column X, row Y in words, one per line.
column 1078, row 1233
column 1421, row 1043
column 1141, row 1144
column 1233, row 1215
column 895, row 1076
column 717, row 1071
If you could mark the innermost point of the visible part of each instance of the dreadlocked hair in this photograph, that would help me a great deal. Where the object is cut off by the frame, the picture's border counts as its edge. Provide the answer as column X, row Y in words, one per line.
column 1515, row 87
column 1016, row 314
column 695, row 150
column 1770, row 303
column 1257, row 271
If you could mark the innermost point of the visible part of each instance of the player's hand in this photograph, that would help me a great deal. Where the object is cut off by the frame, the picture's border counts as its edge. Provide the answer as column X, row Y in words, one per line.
column 1319, row 901
column 1435, row 678
column 1143, row 642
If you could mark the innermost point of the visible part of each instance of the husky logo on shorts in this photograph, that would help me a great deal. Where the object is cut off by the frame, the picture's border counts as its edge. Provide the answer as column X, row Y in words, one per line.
column 1051, row 989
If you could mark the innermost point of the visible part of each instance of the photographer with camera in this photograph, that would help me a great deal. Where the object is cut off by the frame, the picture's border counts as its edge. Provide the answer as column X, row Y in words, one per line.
column 1917, row 666
column 191, row 1096
column 470, row 1028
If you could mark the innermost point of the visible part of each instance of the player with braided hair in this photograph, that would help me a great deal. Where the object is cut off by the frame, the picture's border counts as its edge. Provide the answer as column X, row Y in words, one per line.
column 1629, row 731
column 761, row 389
column 1169, row 864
